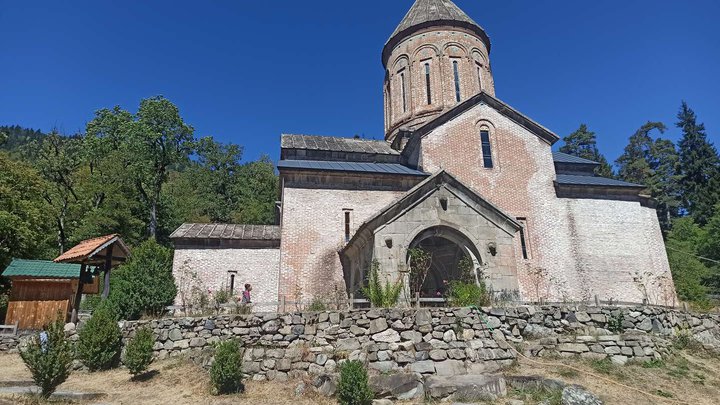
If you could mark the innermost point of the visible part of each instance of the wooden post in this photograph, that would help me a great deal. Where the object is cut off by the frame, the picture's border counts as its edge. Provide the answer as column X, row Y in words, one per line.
column 108, row 266
column 282, row 304
column 351, row 301
column 645, row 301
column 684, row 306
column 597, row 301
column 417, row 299
column 78, row 296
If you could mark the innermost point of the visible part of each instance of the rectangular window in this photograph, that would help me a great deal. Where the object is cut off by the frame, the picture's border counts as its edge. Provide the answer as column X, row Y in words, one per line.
column 427, row 83
column 456, row 72
column 486, row 150
column 402, row 88
column 347, row 226
column 232, row 284
column 523, row 240
column 479, row 77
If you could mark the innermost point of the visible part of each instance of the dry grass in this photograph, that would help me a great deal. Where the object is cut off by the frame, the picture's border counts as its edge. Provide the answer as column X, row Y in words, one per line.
column 176, row 382
column 686, row 378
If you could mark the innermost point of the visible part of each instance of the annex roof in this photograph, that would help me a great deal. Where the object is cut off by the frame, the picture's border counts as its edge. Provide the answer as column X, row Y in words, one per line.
column 358, row 167
column 336, row 144
column 427, row 13
column 560, row 157
column 93, row 251
column 226, row 231
column 41, row 269
column 576, row 180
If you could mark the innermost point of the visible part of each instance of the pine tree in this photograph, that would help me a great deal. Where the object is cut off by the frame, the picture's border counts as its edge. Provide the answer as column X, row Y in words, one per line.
column 653, row 162
column 583, row 143
column 699, row 168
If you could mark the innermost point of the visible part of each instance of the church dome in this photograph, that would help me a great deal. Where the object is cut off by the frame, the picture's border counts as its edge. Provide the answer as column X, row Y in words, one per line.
column 432, row 13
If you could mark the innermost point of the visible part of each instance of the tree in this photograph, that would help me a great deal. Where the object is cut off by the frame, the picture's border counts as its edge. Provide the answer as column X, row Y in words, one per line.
column 653, row 162
column 257, row 190
column 58, row 159
column 217, row 170
column 49, row 358
column 145, row 284
column 583, row 143
column 710, row 249
column 24, row 223
column 157, row 140
column 699, row 168
column 687, row 270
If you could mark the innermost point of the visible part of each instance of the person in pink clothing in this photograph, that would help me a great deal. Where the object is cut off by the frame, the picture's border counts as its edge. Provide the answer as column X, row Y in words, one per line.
column 246, row 294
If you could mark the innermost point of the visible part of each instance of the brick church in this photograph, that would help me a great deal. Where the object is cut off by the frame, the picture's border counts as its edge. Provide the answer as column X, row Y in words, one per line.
column 461, row 174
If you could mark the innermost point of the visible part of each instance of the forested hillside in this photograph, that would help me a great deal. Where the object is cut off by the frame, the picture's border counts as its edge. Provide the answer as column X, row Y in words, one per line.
column 137, row 173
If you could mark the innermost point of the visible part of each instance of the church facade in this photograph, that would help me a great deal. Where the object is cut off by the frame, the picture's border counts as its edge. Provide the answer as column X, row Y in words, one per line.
column 461, row 175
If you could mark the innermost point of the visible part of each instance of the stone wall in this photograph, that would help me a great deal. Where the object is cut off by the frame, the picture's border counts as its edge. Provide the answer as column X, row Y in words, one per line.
column 428, row 341
column 8, row 343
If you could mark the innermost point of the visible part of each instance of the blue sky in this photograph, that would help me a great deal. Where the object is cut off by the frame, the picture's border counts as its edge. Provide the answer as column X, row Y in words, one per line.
column 247, row 71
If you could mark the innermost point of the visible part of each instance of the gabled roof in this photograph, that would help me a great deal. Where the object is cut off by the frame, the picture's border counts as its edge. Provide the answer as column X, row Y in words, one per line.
column 336, row 144
column 560, row 157
column 92, row 251
column 428, row 13
column 418, row 193
column 358, row 167
column 227, row 231
column 41, row 269
column 481, row 98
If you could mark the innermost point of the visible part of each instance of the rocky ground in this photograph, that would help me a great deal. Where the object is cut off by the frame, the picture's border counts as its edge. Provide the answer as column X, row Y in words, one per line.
column 692, row 378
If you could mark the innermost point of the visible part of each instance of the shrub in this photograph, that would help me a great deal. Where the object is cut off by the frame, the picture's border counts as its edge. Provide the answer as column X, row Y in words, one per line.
column 317, row 305
column 139, row 351
column 615, row 323
column 383, row 296
column 145, row 284
column 100, row 339
column 226, row 371
column 49, row 359
column 463, row 294
column 353, row 388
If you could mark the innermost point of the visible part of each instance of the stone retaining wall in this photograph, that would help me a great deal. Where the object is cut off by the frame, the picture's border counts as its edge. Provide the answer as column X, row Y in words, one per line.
column 427, row 341
column 8, row 343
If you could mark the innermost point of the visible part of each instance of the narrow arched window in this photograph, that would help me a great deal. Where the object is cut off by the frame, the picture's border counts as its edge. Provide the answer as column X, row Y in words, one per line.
column 486, row 151
column 456, row 72
column 402, row 89
column 427, row 83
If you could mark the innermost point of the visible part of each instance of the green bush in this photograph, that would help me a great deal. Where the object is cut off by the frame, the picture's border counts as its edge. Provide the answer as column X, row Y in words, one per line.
column 353, row 388
column 226, row 371
column 317, row 305
column 50, row 361
column 381, row 295
column 145, row 284
column 463, row 294
column 139, row 351
column 100, row 339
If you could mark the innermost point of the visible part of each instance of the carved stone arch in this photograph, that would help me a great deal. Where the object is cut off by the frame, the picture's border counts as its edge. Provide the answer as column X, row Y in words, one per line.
column 484, row 122
column 448, row 49
column 400, row 62
column 421, row 52
column 479, row 57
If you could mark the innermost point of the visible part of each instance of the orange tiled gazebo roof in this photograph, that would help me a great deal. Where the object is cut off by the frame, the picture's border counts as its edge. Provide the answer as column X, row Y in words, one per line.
column 95, row 251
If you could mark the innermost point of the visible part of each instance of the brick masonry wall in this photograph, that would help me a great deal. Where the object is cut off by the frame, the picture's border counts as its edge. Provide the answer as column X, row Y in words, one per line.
column 577, row 243
column 439, row 47
column 313, row 233
column 259, row 267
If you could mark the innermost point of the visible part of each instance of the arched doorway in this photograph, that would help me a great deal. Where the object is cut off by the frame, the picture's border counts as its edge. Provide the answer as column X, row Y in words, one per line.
column 452, row 256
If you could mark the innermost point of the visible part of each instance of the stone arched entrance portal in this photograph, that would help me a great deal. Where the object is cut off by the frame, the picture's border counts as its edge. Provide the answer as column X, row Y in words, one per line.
column 448, row 248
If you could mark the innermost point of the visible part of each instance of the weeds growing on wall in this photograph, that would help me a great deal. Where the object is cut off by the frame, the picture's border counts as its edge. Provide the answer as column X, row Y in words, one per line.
column 49, row 358
column 463, row 294
column 383, row 295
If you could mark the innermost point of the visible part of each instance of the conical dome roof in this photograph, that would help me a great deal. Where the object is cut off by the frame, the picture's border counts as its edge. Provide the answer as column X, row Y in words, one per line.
column 428, row 13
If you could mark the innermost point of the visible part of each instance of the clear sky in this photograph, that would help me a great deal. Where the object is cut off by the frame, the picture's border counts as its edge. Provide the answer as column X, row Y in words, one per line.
column 247, row 71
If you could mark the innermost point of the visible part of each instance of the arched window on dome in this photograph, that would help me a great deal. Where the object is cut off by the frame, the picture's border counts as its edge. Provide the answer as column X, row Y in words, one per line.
column 456, row 73
column 403, row 91
column 428, row 91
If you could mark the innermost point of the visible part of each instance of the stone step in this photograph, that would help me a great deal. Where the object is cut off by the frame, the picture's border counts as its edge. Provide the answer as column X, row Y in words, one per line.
column 473, row 387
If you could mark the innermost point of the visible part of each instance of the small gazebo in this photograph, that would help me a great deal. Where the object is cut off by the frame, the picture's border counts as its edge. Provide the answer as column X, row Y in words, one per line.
column 104, row 252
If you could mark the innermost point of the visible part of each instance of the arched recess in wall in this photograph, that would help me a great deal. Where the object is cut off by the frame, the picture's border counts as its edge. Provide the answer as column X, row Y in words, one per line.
column 456, row 55
column 427, row 68
column 480, row 66
column 451, row 251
